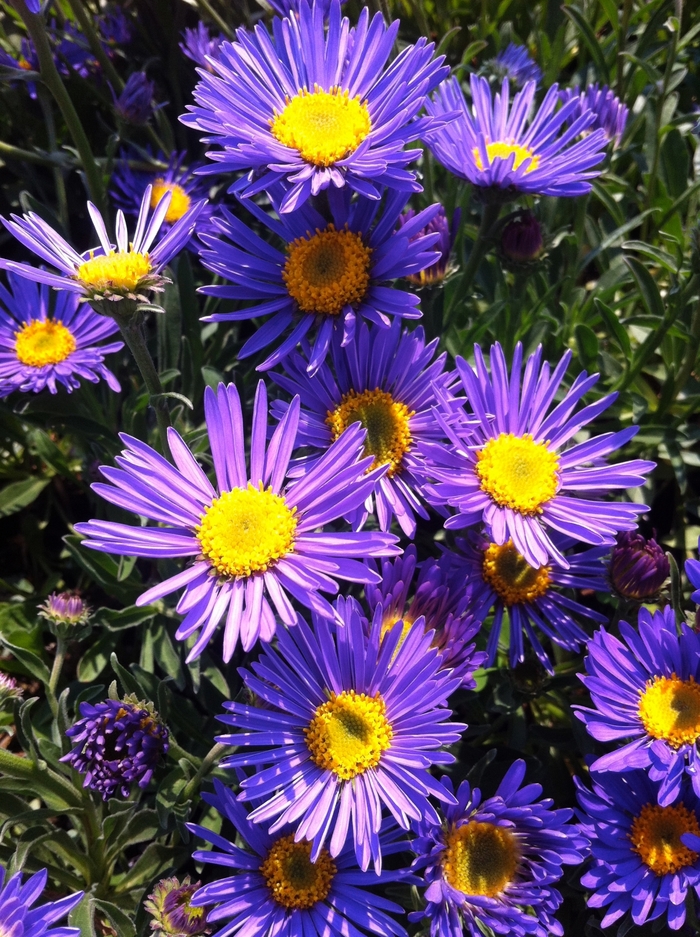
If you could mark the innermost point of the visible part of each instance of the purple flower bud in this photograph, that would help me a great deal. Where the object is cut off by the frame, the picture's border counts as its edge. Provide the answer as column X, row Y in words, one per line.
column 173, row 915
column 515, row 64
column 521, row 239
column 638, row 567
column 135, row 104
column 10, row 690
column 65, row 608
column 118, row 742
column 436, row 272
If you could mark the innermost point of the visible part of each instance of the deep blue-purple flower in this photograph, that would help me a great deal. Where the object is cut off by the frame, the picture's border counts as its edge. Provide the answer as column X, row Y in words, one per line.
column 495, row 862
column 19, row 919
column 200, row 46
column 610, row 114
column 692, row 571
column 135, row 102
column 638, row 566
column 516, row 64
column 646, row 688
column 116, row 744
column 439, row 224
column 316, row 107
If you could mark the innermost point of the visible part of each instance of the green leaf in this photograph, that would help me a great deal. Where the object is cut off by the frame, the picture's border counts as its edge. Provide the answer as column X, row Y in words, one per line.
column 586, row 346
column 96, row 658
column 129, row 683
column 18, row 495
column 83, row 917
column 121, row 921
column 591, row 41
column 656, row 253
column 153, row 861
column 675, row 163
column 648, row 289
column 31, row 661
column 121, row 619
column 610, row 10
column 617, row 329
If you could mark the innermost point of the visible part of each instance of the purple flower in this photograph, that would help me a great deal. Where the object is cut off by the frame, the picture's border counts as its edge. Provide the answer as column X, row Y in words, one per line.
column 276, row 889
column 497, row 148
column 103, row 273
column 116, row 743
column 316, row 107
column 18, row 919
column 646, row 856
column 255, row 538
column 10, row 690
column 115, row 28
column 65, row 608
column 609, row 113
column 327, row 275
column 200, row 46
column 350, row 724
column 646, row 687
column 493, row 863
column 39, row 351
column 135, row 103
column 508, row 465
column 521, row 240
column 692, row 571
column 443, row 609
column 170, row 906
column 289, row 7
column 437, row 271
column 497, row 577
column 385, row 379
column 638, row 567
column 515, row 64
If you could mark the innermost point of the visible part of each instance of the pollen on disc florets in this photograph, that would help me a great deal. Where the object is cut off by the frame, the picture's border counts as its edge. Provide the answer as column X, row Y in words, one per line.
column 43, row 342
column 480, row 858
column 179, row 199
column 294, row 880
column 348, row 734
column 517, row 472
column 656, row 837
column 669, row 709
column 501, row 149
column 386, row 420
column 119, row 275
column 511, row 576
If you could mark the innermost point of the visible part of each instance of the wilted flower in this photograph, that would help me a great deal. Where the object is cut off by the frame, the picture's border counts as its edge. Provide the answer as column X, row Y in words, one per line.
column 10, row 690
column 135, row 104
column 117, row 742
column 173, row 915
column 521, row 240
column 437, row 271
column 638, row 567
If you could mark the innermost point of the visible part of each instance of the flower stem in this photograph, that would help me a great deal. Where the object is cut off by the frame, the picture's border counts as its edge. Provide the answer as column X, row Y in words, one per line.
column 208, row 762
column 481, row 246
column 58, row 662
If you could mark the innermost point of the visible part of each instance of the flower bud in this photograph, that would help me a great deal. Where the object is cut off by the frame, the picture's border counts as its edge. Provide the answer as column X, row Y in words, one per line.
column 135, row 104
column 173, row 915
column 521, row 240
column 68, row 614
column 436, row 272
column 10, row 691
column 638, row 567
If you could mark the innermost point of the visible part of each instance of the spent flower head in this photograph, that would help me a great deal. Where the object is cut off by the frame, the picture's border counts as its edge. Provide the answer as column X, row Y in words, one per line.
column 171, row 911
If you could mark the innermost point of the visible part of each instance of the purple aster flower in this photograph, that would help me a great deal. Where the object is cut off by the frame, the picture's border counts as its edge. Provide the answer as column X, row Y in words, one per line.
column 521, row 240
column 497, row 148
column 692, row 571
column 638, row 567
column 498, row 578
column 103, row 273
column 609, row 113
column 135, row 103
column 65, row 608
column 39, row 351
column 385, row 379
column 26, row 61
column 646, row 856
column 441, row 607
column 116, row 743
column 646, row 687
column 515, row 64
column 350, row 724
column 10, row 690
column 326, row 279
column 256, row 539
column 200, row 46
column 173, row 914
column 436, row 272
column 173, row 176
column 72, row 52
column 19, row 919
column 508, row 466
column 316, row 107
column 276, row 888
column 494, row 862
column 115, row 28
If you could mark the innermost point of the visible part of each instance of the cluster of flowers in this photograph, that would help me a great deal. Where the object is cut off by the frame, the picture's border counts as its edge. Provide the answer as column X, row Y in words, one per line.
column 333, row 762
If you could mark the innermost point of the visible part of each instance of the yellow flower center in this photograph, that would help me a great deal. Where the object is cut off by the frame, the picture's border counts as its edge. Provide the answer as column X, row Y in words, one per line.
column 656, row 837
column 327, row 271
column 294, row 880
column 348, row 734
column 179, row 199
column 385, row 419
column 670, row 709
column 120, row 270
column 245, row 530
column 502, row 150
column 517, row 472
column 511, row 576
column 40, row 343
column 324, row 126
column 480, row 858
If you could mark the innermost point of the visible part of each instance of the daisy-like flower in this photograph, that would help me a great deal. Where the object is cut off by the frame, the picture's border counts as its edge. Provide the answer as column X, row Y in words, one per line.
column 19, row 919
column 498, row 149
column 437, row 271
column 103, row 273
column 200, row 46
column 186, row 189
column 384, row 379
column 499, row 578
column 276, row 888
column 256, row 539
column 350, row 724
column 329, row 274
column 316, row 107
column 646, row 687
column 609, row 112
column 515, row 63
column 444, row 609
column 494, row 862
column 509, row 467
column 39, row 351
column 646, row 856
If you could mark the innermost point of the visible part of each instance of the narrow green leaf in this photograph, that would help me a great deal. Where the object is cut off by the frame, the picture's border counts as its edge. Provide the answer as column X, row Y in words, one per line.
column 656, row 253
column 648, row 289
column 619, row 332
column 590, row 39
column 21, row 494
column 586, row 346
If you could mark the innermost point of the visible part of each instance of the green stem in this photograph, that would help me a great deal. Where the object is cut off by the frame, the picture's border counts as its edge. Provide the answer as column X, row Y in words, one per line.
column 212, row 14
column 621, row 39
column 656, row 158
column 52, row 80
column 133, row 336
column 90, row 33
column 58, row 662
column 481, row 246
column 691, row 354
column 647, row 348
column 50, row 786
column 7, row 151
column 208, row 762
column 58, row 179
